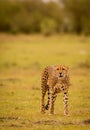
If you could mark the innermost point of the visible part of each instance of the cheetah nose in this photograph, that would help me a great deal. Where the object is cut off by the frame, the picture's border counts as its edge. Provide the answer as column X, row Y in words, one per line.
column 60, row 75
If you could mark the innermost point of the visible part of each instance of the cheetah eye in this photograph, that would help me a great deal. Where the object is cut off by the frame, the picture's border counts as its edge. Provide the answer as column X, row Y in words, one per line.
column 63, row 68
column 57, row 68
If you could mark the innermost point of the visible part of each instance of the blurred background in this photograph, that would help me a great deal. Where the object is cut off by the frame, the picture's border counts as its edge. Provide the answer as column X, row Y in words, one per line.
column 45, row 16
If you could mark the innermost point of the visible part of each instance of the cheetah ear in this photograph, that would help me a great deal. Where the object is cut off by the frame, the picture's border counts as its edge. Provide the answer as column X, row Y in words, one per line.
column 67, row 67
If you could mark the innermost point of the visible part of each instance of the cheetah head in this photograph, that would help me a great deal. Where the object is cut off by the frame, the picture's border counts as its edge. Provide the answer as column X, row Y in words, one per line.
column 61, row 71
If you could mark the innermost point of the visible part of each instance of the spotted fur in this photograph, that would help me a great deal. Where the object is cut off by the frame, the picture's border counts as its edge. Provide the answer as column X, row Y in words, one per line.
column 55, row 79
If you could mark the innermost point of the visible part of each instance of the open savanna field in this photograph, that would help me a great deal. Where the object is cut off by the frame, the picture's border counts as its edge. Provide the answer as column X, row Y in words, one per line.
column 22, row 59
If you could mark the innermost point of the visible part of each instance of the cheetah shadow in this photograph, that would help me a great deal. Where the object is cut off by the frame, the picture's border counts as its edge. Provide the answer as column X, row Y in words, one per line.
column 57, row 122
column 29, row 123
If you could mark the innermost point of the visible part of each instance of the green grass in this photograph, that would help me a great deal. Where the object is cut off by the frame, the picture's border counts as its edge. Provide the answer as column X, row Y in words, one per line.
column 22, row 59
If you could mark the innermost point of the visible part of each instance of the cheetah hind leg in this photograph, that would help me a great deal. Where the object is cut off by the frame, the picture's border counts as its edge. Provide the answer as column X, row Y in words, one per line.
column 42, row 101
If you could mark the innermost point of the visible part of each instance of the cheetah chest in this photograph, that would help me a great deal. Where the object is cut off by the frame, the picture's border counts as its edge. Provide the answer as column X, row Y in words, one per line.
column 60, row 87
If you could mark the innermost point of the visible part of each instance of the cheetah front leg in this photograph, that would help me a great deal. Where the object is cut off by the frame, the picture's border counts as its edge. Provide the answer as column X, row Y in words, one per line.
column 65, row 100
column 52, row 100
column 48, row 102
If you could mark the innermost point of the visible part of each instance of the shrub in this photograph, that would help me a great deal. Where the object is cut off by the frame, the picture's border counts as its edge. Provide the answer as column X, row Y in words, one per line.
column 48, row 26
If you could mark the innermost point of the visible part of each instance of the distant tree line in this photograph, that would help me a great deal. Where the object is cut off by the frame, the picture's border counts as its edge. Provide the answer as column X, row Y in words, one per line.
column 35, row 16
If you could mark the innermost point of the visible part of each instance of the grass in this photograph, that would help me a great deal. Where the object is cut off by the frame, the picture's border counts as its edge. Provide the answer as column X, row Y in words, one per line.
column 22, row 59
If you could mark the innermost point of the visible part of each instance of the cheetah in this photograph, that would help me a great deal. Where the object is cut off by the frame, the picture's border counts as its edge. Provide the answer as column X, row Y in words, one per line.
column 55, row 79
